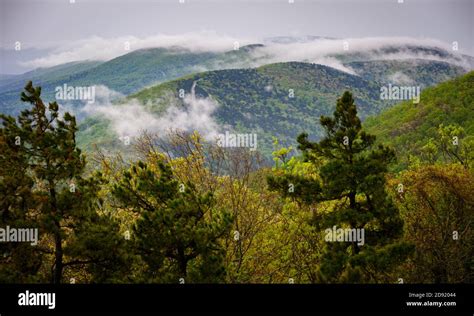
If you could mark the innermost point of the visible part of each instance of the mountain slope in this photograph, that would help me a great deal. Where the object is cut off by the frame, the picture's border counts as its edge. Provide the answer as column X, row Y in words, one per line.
column 417, row 72
column 47, row 78
column 408, row 127
column 257, row 101
column 126, row 74
column 45, row 75
column 260, row 100
column 138, row 69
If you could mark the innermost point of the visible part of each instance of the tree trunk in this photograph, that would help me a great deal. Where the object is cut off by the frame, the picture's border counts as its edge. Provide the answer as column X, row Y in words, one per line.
column 182, row 261
column 352, row 201
column 58, row 253
column 58, row 262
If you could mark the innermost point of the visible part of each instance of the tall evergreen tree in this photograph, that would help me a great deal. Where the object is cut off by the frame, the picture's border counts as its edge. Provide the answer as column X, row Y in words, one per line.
column 44, row 184
column 179, row 230
column 353, row 176
column 19, row 263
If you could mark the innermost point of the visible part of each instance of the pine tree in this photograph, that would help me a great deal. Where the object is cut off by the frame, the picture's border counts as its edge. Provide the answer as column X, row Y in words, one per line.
column 179, row 230
column 19, row 263
column 352, row 176
column 44, row 183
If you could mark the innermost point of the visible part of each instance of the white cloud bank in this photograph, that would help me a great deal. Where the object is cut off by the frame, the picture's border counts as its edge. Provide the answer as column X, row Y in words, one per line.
column 132, row 118
column 400, row 78
column 315, row 50
column 103, row 49
column 322, row 51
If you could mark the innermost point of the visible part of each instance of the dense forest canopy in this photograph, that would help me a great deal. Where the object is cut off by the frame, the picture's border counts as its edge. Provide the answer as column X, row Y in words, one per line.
column 187, row 211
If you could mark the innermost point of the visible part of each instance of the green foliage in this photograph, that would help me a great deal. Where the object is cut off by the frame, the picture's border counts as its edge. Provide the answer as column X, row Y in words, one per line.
column 414, row 129
column 259, row 100
column 178, row 230
column 52, row 195
column 126, row 74
column 353, row 176
column 437, row 206
column 202, row 213
column 47, row 78
column 423, row 73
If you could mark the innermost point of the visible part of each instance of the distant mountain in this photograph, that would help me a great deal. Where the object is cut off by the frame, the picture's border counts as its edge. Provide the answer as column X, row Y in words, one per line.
column 48, row 78
column 295, row 39
column 4, row 78
column 136, row 70
column 43, row 76
column 253, row 95
column 258, row 100
column 408, row 127
column 403, row 52
column 125, row 74
column 133, row 71
column 278, row 100
column 419, row 72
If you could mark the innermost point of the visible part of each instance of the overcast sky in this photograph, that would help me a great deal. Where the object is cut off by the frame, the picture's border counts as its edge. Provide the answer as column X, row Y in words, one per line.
column 43, row 26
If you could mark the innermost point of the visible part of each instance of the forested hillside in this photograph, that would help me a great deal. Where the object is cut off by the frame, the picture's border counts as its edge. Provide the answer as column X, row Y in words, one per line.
column 444, row 112
column 186, row 211
column 125, row 74
column 277, row 100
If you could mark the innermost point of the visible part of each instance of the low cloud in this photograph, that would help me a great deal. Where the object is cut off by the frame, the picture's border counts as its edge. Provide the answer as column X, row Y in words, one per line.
column 326, row 51
column 400, row 78
column 132, row 118
column 103, row 49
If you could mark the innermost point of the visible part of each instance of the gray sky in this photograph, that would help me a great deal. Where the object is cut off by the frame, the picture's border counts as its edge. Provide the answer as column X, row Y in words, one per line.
column 44, row 25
